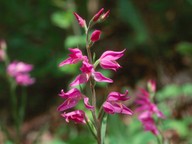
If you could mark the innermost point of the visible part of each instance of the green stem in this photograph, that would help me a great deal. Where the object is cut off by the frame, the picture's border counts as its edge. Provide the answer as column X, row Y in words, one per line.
column 90, row 128
column 97, row 123
column 22, row 106
column 158, row 140
column 14, row 103
column 4, row 129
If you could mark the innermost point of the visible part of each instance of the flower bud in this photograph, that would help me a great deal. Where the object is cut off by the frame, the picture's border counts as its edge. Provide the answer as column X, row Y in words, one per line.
column 95, row 36
column 81, row 21
column 151, row 85
column 2, row 50
column 3, row 44
column 105, row 15
column 98, row 14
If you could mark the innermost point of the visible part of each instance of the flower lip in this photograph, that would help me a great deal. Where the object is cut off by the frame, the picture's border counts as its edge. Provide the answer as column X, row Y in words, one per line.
column 113, row 103
column 78, row 116
column 115, row 96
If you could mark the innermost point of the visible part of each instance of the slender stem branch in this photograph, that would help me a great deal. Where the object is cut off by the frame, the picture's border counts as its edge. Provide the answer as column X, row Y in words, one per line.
column 22, row 106
column 14, row 103
column 97, row 123
column 158, row 140
column 90, row 128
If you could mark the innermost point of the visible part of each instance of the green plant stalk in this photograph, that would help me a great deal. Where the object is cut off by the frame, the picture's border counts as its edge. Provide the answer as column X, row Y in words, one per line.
column 22, row 106
column 159, row 140
column 14, row 103
column 97, row 122
column 90, row 128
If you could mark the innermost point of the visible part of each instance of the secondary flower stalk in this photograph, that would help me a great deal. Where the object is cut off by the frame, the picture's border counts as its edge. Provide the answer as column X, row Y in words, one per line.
column 147, row 109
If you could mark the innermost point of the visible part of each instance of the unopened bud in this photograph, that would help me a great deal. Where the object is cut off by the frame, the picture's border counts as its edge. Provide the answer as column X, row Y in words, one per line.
column 80, row 20
column 3, row 44
column 98, row 14
column 105, row 15
column 151, row 85
column 95, row 35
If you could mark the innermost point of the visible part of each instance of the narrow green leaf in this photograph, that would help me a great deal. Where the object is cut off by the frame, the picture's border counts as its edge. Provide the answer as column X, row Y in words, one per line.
column 103, row 128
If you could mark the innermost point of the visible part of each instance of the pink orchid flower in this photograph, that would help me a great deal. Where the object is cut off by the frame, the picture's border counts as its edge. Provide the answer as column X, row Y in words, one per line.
column 80, row 20
column 20, row 72
column 72, row 97
column 145, row 104
column 148, row 123
column 75, row 56
column 108, row 60
column 78, row 116
column 15, row 68
column 24, row 79
column 147, row 110
column 88, row 71
column 113, row 103
column 95, row 36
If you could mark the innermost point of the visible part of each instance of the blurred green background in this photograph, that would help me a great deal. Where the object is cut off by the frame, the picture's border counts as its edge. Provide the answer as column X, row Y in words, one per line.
column 156, row 33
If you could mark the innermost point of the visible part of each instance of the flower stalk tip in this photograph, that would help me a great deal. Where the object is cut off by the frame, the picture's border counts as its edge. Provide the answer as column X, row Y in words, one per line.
column 80, row 20
column 98, row 14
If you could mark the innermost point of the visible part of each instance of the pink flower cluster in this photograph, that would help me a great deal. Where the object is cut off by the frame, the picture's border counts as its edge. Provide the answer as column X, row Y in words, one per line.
column 108, row 60
column 20, row 72
column 147, row 109
column 113, row 103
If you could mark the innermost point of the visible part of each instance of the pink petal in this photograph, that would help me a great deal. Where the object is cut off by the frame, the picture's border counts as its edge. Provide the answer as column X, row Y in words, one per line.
column 77, row 116
column 86, row 67
column 73, row 93
column 65, row 62
column 108, row 64
column 149, row 125
column 95, row 36
column 80, row 79
column 69, row 103
column 112, row 108
column 75, row 56
column 15, row 68
column 116, row 96
column 24, row 80
column 120, row 108
column 100, row 78
column 112, row 55
column 87, row 105
column 108, row 108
